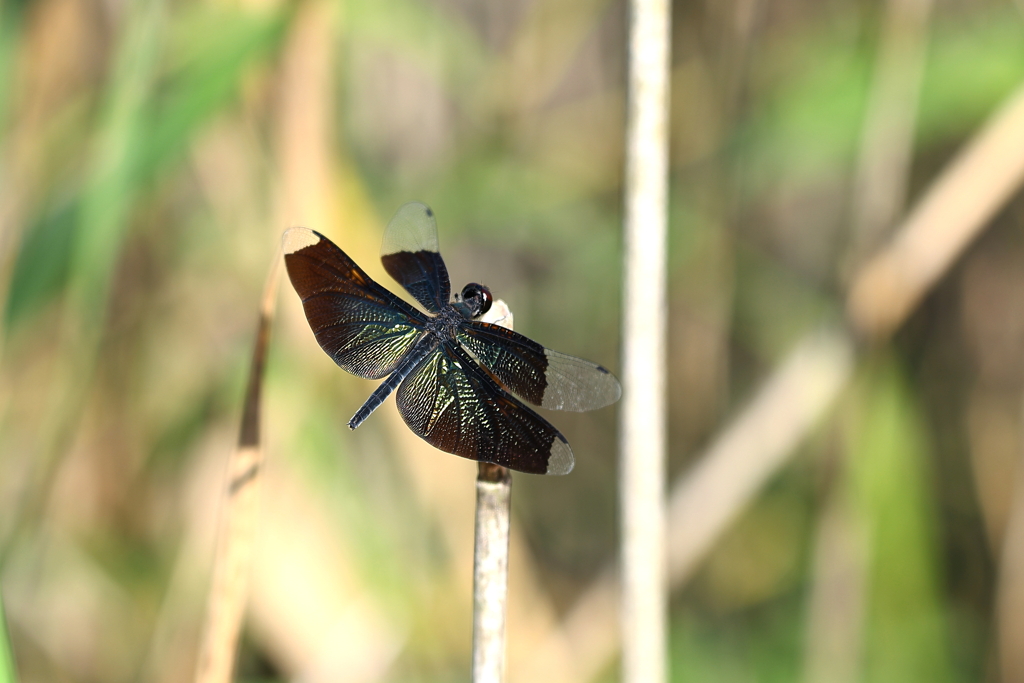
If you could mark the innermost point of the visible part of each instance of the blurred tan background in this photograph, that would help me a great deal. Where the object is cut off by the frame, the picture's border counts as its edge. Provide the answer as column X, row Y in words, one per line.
column 152, row 152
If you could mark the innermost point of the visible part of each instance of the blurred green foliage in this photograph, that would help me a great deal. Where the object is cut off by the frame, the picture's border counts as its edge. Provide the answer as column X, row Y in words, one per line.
column 6, row 662
column 908, row 639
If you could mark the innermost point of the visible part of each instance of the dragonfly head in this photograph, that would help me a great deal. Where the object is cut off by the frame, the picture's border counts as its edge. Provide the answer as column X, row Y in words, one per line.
column 474, row 301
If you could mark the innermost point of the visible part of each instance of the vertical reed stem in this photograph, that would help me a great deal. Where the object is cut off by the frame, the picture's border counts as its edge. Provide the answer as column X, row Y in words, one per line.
column 642, row 464
column 490, row 558
column 490, row 572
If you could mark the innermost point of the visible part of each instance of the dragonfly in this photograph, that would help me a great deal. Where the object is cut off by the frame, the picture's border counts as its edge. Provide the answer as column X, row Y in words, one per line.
column 462, row 384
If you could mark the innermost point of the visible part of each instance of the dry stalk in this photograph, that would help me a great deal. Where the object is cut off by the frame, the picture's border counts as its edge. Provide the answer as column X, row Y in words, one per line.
column 887, row 137
column 490, row 572
column 643, row 426
column 490, row 555
column 956, row 207
column 237, row 529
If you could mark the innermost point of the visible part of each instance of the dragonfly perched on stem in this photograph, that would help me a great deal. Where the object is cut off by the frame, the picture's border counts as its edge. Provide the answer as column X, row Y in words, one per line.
column 462, row 384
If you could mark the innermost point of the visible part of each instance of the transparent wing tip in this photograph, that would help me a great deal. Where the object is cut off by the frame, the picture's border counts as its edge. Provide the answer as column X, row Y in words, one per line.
column 560, row 461
column 297, row 239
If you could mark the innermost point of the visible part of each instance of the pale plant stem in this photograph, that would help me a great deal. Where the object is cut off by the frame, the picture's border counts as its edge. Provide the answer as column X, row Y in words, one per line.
column 643, row 428
column 490, row 572
column 490, row 555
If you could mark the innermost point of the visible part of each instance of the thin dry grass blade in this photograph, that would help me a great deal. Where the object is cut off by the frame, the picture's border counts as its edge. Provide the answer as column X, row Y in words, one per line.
column 837, row 607
column 957, row 206
column 238, row 520
column 887, row 139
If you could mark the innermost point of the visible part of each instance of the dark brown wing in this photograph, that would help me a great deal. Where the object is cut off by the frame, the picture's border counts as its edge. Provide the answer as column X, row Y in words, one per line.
column 410, row 254
column 452, row 404
column 537, row 374
column 365, row 328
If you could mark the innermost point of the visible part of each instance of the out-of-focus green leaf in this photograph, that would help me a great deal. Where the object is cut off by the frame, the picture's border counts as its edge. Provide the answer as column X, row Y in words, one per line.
column 421, row 31
column 812, row 120
column 760, row 646
column 9, row 31
column 813, row 117
column 6, row 658
column 906, row 638
column 972, row 68
column 41, row 268
column 137, row 141
column 109, row 191
column 111, row 186
column 210, row 52
column 774, row 305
